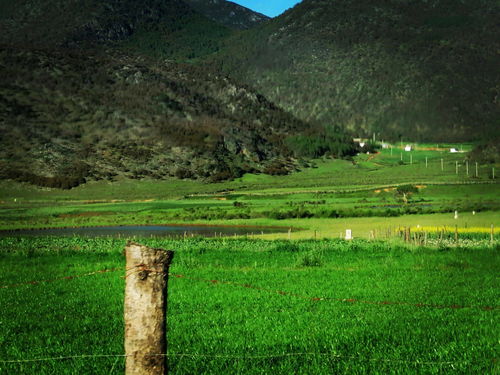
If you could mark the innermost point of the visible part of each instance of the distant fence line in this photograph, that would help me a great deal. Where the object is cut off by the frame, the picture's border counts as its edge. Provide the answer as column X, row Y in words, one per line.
column 351, row 190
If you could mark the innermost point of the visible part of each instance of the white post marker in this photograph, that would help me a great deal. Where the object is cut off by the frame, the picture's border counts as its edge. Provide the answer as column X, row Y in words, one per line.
column 348, row 234
column 456, row 215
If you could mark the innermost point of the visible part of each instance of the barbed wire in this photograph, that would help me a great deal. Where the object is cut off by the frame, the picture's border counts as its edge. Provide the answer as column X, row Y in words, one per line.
column 129, row 271
column 345, row 300
column 70, row 277
column 239, row 356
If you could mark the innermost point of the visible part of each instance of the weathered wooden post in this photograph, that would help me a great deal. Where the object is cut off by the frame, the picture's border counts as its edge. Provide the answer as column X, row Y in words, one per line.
column 146, row 310
column 477, row 172
column 289, row 233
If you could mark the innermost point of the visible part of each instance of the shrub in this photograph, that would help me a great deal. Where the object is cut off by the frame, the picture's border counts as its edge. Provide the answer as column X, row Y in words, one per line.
column 310, row 259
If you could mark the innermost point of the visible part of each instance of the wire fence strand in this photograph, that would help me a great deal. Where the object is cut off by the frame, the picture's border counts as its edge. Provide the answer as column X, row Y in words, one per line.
column 344, row 300
column 248, row 357
column 70, row 277
column 132, row 270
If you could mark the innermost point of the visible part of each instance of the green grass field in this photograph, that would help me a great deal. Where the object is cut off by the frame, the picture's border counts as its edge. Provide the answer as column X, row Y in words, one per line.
column 400, row 318
column 216, row 328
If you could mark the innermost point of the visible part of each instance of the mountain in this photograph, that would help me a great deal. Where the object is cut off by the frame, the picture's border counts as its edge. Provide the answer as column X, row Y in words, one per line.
column 163, row 28
column 71, row 115
column 228, row 13
column 421, row 70
column 86, row 93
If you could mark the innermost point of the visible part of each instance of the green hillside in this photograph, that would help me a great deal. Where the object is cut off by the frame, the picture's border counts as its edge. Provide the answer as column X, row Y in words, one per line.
column 86, row 93
column 69, row 115
column 165, row 28
column 419, row 70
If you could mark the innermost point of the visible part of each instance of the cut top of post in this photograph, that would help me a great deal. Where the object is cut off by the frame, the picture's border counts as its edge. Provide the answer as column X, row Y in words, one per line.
column 153, row 259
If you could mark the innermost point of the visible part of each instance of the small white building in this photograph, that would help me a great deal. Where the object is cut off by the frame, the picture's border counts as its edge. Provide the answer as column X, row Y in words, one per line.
column 361, row 144
column 385, row 145
column 453, row 150
column 408, row 148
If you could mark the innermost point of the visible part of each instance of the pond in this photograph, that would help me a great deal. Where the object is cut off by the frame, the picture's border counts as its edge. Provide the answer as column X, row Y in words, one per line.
column 147, row 231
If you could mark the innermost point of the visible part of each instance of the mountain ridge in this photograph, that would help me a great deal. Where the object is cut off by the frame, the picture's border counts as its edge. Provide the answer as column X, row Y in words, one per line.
column 426, row 71
column 228, row 13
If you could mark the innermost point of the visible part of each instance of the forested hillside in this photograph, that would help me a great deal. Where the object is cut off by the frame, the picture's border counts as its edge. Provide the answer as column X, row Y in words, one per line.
column 69, row 115
column 421, row 70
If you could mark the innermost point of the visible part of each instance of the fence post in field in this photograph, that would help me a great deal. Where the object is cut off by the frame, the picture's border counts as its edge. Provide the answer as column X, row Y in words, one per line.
column 477, row 172
column 442, row 165
column 146, row 309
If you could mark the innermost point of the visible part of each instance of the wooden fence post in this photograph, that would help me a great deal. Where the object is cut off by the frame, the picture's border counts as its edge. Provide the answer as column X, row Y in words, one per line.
column 146, row 309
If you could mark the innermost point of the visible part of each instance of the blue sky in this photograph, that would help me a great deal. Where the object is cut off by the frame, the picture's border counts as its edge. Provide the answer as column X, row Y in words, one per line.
column 271, row 8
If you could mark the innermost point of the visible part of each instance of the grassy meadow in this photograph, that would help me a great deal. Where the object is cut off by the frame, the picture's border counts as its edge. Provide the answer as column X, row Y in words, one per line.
column 268, row 303
column 354, row 307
